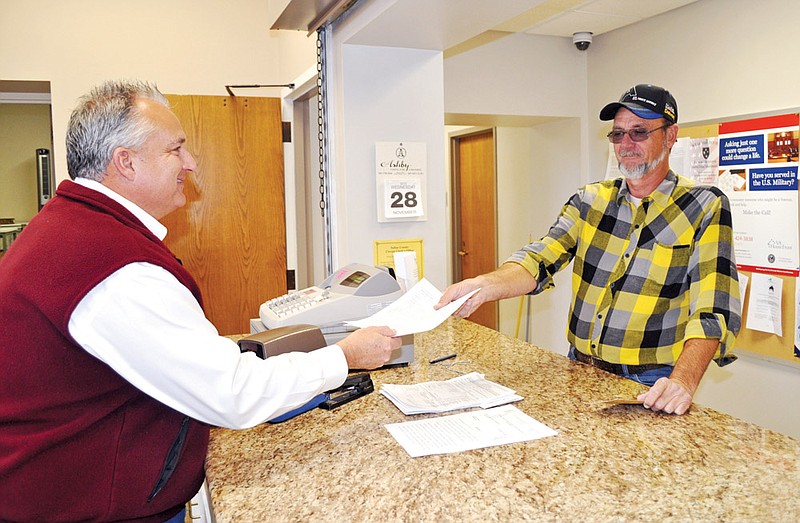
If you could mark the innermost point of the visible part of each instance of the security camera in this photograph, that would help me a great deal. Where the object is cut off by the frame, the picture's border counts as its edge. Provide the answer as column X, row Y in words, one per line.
column 582, row 40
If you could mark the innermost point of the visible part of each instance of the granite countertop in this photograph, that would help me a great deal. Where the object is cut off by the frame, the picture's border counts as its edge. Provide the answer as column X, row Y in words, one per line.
column 621, row 463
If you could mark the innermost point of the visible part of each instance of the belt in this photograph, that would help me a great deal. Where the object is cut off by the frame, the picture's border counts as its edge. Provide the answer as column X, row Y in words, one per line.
column 615, row 368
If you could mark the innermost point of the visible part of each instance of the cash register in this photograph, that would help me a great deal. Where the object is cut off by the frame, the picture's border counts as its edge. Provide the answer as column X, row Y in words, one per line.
column 353, row 292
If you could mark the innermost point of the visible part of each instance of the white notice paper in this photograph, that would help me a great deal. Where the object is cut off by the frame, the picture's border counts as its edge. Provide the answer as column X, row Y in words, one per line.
column 406, row 269
column 467, row 431
column 764, row 307
column 413, row 312
column 743, row 279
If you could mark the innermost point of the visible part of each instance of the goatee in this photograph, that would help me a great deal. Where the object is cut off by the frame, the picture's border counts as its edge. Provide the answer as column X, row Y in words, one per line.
column 639, row 171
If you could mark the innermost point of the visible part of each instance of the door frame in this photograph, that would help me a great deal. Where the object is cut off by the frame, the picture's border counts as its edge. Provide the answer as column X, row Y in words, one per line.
column 456, row 206
column 304, row 220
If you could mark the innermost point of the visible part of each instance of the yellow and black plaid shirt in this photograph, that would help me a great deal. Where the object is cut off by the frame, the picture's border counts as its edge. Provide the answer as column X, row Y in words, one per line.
column 645, row 278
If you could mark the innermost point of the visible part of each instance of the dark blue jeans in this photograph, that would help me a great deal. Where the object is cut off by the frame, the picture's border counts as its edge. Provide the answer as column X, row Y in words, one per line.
column 648, row 377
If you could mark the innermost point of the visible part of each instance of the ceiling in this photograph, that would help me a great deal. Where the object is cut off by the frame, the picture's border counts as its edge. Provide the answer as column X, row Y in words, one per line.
column 454, row 25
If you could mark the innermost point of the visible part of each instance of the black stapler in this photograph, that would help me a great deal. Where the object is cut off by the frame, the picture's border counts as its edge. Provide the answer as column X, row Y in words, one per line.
column 353, row 387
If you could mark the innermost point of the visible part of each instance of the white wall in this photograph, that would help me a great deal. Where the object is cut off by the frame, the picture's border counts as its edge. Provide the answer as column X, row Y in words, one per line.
column 518, row 75
column 384, row 94
column 185, row 46
column 539, row 165
column 532, row 186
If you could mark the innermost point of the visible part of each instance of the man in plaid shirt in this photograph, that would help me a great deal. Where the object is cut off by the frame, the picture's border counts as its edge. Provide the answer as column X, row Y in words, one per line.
column 654, row 281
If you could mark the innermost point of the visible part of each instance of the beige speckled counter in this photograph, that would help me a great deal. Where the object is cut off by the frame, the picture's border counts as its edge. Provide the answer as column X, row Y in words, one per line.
column 623, row 463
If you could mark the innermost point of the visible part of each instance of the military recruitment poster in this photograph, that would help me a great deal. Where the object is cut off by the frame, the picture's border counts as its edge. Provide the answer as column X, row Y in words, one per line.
column 758, row 162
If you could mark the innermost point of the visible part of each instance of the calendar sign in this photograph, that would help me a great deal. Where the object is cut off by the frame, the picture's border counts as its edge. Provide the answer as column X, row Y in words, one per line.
column 401, row 176
column 401, row 198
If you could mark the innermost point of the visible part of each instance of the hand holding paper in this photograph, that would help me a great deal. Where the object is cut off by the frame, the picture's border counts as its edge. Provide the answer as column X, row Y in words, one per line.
column 414, row 311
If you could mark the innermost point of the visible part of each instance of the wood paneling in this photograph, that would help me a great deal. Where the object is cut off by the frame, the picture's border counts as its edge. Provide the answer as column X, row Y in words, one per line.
column 231, row 234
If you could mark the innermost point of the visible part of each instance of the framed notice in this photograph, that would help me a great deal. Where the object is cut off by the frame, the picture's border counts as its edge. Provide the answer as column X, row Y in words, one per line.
column 401, row 176
column 384, row 251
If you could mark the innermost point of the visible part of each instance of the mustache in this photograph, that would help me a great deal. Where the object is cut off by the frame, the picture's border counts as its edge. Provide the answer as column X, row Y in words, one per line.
column 630, row 154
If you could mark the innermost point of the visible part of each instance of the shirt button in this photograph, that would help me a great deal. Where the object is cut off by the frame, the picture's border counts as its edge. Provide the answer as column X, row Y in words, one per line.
column 636, row 226
column 627, row 255
column 599, row 316
column 594, row 346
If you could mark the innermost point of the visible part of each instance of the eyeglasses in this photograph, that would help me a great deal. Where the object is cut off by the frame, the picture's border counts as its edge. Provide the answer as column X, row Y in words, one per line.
column 637, row 134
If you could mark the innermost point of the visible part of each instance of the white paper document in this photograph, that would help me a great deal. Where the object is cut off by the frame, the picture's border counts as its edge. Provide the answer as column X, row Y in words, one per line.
column 467, row 431
column 764, row 310
column 464, row 392
column 743, row 279
column 413, row 312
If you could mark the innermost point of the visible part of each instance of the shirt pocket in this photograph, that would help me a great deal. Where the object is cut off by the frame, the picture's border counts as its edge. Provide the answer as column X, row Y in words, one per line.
column 667, row 270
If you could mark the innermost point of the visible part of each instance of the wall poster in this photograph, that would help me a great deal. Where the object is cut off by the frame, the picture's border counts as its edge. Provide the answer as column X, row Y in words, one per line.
column 758, row 163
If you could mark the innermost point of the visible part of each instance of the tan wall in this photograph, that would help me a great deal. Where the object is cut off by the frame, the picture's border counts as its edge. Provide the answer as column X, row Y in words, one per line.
column 185, row 46
column 23, row 129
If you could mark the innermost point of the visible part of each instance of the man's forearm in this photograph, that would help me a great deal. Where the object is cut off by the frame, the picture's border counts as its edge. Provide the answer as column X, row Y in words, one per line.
column 693, row 362
column 508, row 281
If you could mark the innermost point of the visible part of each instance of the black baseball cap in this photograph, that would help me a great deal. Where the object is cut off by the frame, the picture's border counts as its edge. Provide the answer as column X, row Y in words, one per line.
column 645, row 101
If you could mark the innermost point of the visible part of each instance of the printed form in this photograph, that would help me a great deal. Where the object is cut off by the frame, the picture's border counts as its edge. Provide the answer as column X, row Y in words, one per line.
column 467, row 431
column 464, row 392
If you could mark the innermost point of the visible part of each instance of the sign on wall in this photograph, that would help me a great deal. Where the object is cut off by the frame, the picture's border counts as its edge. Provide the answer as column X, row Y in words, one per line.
column 401, row 176
column 758, row 172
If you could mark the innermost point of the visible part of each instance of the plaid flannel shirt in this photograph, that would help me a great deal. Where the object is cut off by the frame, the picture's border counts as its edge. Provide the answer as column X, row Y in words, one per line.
column 645, row 278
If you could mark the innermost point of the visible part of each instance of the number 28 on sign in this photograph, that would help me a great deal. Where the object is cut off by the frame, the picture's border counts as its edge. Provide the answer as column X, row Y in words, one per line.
column 402, row 198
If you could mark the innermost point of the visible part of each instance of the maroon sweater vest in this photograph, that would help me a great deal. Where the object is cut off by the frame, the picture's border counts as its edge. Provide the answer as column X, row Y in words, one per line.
column 78, row 442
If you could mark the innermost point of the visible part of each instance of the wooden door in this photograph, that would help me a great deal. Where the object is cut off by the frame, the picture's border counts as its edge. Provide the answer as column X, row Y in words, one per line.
column 231, row 234
column 474, row 207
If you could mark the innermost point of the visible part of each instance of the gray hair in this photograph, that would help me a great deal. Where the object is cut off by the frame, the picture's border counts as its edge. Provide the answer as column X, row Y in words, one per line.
column 105, row 119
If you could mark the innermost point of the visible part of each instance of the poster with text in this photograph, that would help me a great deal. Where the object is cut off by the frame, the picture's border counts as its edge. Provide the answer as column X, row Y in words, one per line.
column 401, row 176
column 696, row 158
column 758, row 164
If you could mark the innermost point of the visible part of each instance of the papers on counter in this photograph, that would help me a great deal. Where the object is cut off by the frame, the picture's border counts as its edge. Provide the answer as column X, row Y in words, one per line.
column 413, row 312
column 467, row 431
column 502, row 425
column 464, row 392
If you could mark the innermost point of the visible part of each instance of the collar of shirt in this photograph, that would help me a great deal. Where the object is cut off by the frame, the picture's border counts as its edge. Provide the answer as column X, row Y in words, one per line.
column 151, row 223
column 661, row 196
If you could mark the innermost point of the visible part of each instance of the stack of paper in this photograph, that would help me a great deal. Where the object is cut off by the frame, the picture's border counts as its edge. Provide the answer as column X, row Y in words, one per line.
column 463, row 392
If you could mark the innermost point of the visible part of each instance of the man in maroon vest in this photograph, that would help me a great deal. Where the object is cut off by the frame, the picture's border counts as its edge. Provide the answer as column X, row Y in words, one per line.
column 110, row 374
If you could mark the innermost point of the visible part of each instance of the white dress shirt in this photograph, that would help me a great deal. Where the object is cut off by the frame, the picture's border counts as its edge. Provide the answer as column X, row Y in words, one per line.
column 149, row 328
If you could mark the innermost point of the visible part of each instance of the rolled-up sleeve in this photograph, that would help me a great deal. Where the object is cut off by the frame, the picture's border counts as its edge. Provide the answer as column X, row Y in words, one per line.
column 715, row 304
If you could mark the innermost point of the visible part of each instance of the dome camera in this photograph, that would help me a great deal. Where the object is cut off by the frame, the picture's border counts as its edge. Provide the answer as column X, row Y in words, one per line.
column 582, row 40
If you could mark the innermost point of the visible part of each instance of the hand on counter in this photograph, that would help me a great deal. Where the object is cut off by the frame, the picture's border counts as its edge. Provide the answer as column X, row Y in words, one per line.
column 674, row 394
column 370, row 347
column 667, row 395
